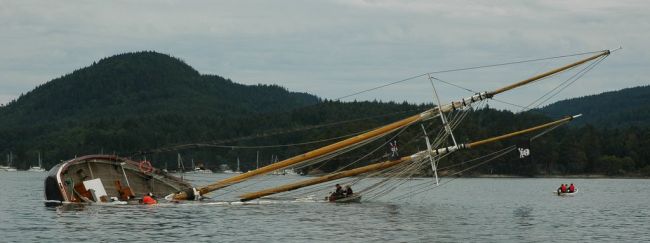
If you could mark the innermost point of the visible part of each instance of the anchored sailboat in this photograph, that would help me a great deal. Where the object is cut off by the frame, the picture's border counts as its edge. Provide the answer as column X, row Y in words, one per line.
column 9, row 167
column 38, row 168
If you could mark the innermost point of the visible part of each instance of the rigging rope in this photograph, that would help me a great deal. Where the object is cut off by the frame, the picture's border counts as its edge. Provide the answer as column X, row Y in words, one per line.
column 463, row 69
column 217, row 143
column 568, row 82
column 500, row 153
column 401, row 172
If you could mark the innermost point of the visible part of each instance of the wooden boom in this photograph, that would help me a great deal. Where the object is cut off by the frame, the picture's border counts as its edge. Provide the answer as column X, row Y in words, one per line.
column 195, row 193
column 388, row 164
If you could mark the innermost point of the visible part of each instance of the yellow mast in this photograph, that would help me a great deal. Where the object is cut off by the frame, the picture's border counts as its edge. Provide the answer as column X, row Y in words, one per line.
column 388, row 164
column 195, row 193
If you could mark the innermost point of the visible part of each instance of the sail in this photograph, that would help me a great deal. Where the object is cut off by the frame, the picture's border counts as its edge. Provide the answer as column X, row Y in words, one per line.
column 387, row 164
column 195, row 193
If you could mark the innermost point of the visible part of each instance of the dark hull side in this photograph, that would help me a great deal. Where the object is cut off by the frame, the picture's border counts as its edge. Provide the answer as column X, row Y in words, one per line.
column 64, row 182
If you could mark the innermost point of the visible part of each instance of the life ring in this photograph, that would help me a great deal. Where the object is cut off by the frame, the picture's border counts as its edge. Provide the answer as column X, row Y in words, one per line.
column 145, row 166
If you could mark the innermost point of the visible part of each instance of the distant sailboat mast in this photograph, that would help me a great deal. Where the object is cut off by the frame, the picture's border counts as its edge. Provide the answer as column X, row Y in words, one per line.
column 238, row 170
column 180, row 165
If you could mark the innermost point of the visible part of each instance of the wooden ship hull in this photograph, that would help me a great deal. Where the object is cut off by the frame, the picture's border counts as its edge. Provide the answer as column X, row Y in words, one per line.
column 106, row 179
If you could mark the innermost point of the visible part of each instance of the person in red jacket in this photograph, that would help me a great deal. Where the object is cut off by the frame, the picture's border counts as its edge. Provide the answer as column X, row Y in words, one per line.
column 572, row 188
column 148, row 199
column 563, row 188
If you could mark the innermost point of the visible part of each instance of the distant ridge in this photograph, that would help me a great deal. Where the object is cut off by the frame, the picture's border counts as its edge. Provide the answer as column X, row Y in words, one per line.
column 133, row 101
column 622, row 108
column 146, row 83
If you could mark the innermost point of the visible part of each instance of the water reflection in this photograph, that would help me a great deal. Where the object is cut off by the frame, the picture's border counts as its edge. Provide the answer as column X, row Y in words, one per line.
column 524, row 216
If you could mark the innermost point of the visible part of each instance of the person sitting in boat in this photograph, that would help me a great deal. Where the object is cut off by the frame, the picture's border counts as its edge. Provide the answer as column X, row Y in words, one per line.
column 148, row 199
column 572, row 188
column 338, row 193
column 339, row 190
column 348, row 191
column 563, row 188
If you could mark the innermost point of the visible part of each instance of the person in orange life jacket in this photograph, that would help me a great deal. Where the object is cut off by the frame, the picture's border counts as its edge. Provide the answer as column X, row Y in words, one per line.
column 572, row 188
column 148, row 199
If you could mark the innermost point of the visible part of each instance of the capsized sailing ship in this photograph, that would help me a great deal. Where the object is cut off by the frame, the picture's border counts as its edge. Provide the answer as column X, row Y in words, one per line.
column 98, row 178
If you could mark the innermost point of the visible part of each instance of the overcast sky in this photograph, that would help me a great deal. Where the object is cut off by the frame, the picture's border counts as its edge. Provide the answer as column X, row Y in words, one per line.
column 334, row 48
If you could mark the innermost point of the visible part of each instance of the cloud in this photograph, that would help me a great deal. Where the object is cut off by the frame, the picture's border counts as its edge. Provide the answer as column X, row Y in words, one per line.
column 330, row 48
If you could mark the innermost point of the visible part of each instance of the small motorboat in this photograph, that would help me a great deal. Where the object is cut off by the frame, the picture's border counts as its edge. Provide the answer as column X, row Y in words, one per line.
column 342, row 198
column 559, row 193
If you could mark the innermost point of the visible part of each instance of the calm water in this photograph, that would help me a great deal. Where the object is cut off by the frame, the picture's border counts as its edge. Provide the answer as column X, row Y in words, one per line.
column 492, row 210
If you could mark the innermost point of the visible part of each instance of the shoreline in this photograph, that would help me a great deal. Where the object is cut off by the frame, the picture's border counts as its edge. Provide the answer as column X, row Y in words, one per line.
column 497, row 176
column 586, row 176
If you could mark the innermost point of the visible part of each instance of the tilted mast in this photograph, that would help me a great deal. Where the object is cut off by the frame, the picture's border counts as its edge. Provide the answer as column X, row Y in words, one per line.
column 195, row 193
column 387, row 164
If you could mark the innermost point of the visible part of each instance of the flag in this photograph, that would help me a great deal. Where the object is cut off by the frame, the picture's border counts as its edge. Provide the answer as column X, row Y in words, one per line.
column 523, row 148
column 393, row 150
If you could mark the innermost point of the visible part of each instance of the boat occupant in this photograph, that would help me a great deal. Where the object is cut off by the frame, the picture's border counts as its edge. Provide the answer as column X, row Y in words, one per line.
column 337, row 194
column 563, row 188
column 572, row 188
column 348, row 191
column 339, row 190
column 148, row 199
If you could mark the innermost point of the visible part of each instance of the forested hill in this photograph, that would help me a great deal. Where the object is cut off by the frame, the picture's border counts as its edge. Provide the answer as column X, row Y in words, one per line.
column 622, row 108
column 132, row 101
column 144, row 83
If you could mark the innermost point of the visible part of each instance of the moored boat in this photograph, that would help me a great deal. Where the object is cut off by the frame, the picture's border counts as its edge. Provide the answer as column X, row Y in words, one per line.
column 106, row 179
column 9, row 167
column 38, row 168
